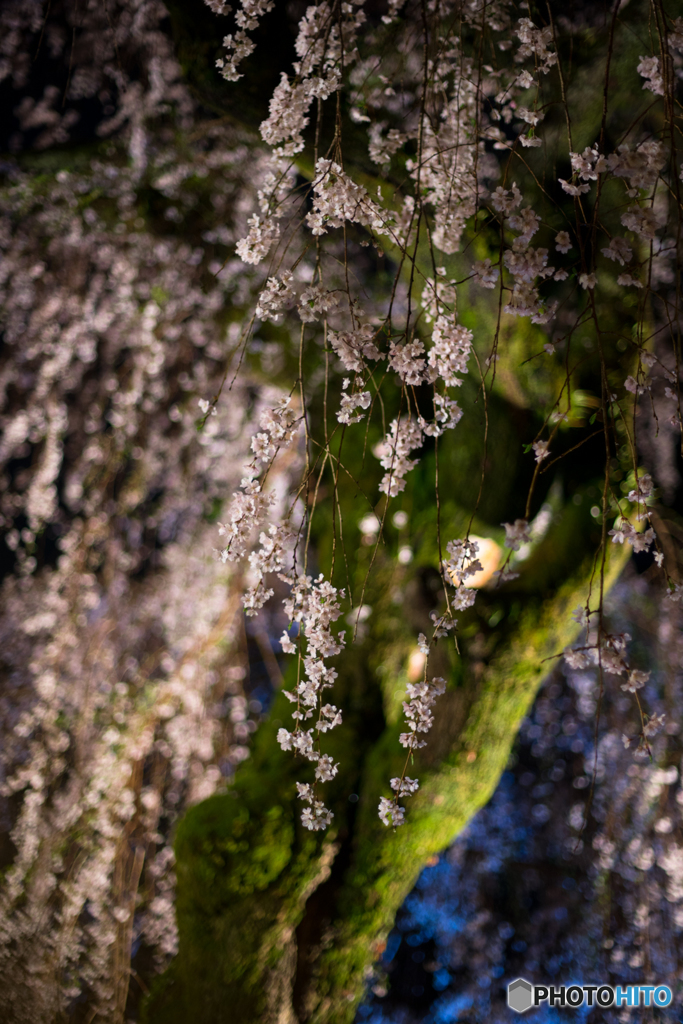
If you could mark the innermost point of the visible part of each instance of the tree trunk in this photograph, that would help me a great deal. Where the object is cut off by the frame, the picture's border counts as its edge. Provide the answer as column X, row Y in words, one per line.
column 279, row 925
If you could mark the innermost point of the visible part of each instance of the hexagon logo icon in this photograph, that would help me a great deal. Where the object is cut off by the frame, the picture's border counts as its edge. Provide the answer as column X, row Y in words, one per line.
column 520, row 995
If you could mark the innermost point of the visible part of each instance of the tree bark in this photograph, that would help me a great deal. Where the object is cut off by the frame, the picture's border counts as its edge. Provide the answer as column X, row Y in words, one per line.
column 282, row 926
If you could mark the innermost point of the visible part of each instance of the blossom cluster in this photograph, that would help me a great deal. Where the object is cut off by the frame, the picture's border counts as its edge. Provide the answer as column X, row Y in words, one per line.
column 393, row 453
column 418, row 711
column 251, row 505
column 461, row 565
column 420, row 718
column 338, row 199
column 239, row 45
column 608, row 651
column 123, row 710
column 313, row 605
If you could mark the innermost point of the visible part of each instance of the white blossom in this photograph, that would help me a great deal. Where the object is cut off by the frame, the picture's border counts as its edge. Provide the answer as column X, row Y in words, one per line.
column 650, row 69
column 526, row 222
column 338, row 199
column 654, row 725
column 409, row 363
column 418, row 712
column 383, row 146
column 350, row 404
column 541, row 450
column 643, row 489
column 462, row 562
column 404, row 786
column 316, row 817
column 641, row 220
column 504, row 200
column 573, row 190
column 260, row 240
column 353, row 347
column 484, row 274
column 636, row 680
column 628, row 281
column 534, row 43
column 390, row 812
column 516, row 534
column 314, row 604
column 405, row 435
column 451, row 347
column 316, row 301
column 275, row 297
column 531, row 117
column 640, row 165
column 632, row 385
column 325, row 769
column 417, row 709
column 447, row 414
column 563, row 242
column 438, row 296
column 239, row 45
column 618, row 250
column 287, row 644
column 586, row 164
column 246, row 511
column 576, row 658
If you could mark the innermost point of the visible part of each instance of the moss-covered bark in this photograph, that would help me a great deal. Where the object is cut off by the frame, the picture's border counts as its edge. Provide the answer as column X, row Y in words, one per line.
column 281, row 925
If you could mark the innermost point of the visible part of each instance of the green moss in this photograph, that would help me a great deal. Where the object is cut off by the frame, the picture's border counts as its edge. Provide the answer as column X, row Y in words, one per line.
column 246, row 868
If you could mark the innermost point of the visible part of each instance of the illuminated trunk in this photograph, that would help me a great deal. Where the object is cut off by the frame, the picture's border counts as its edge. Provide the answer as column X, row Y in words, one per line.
column 282, row 925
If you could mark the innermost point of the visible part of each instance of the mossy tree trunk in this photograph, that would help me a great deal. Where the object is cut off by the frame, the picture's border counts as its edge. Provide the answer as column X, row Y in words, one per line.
column 278, row 924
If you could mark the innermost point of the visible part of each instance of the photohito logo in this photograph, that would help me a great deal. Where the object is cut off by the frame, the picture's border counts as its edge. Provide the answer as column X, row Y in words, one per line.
column 523, row 996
